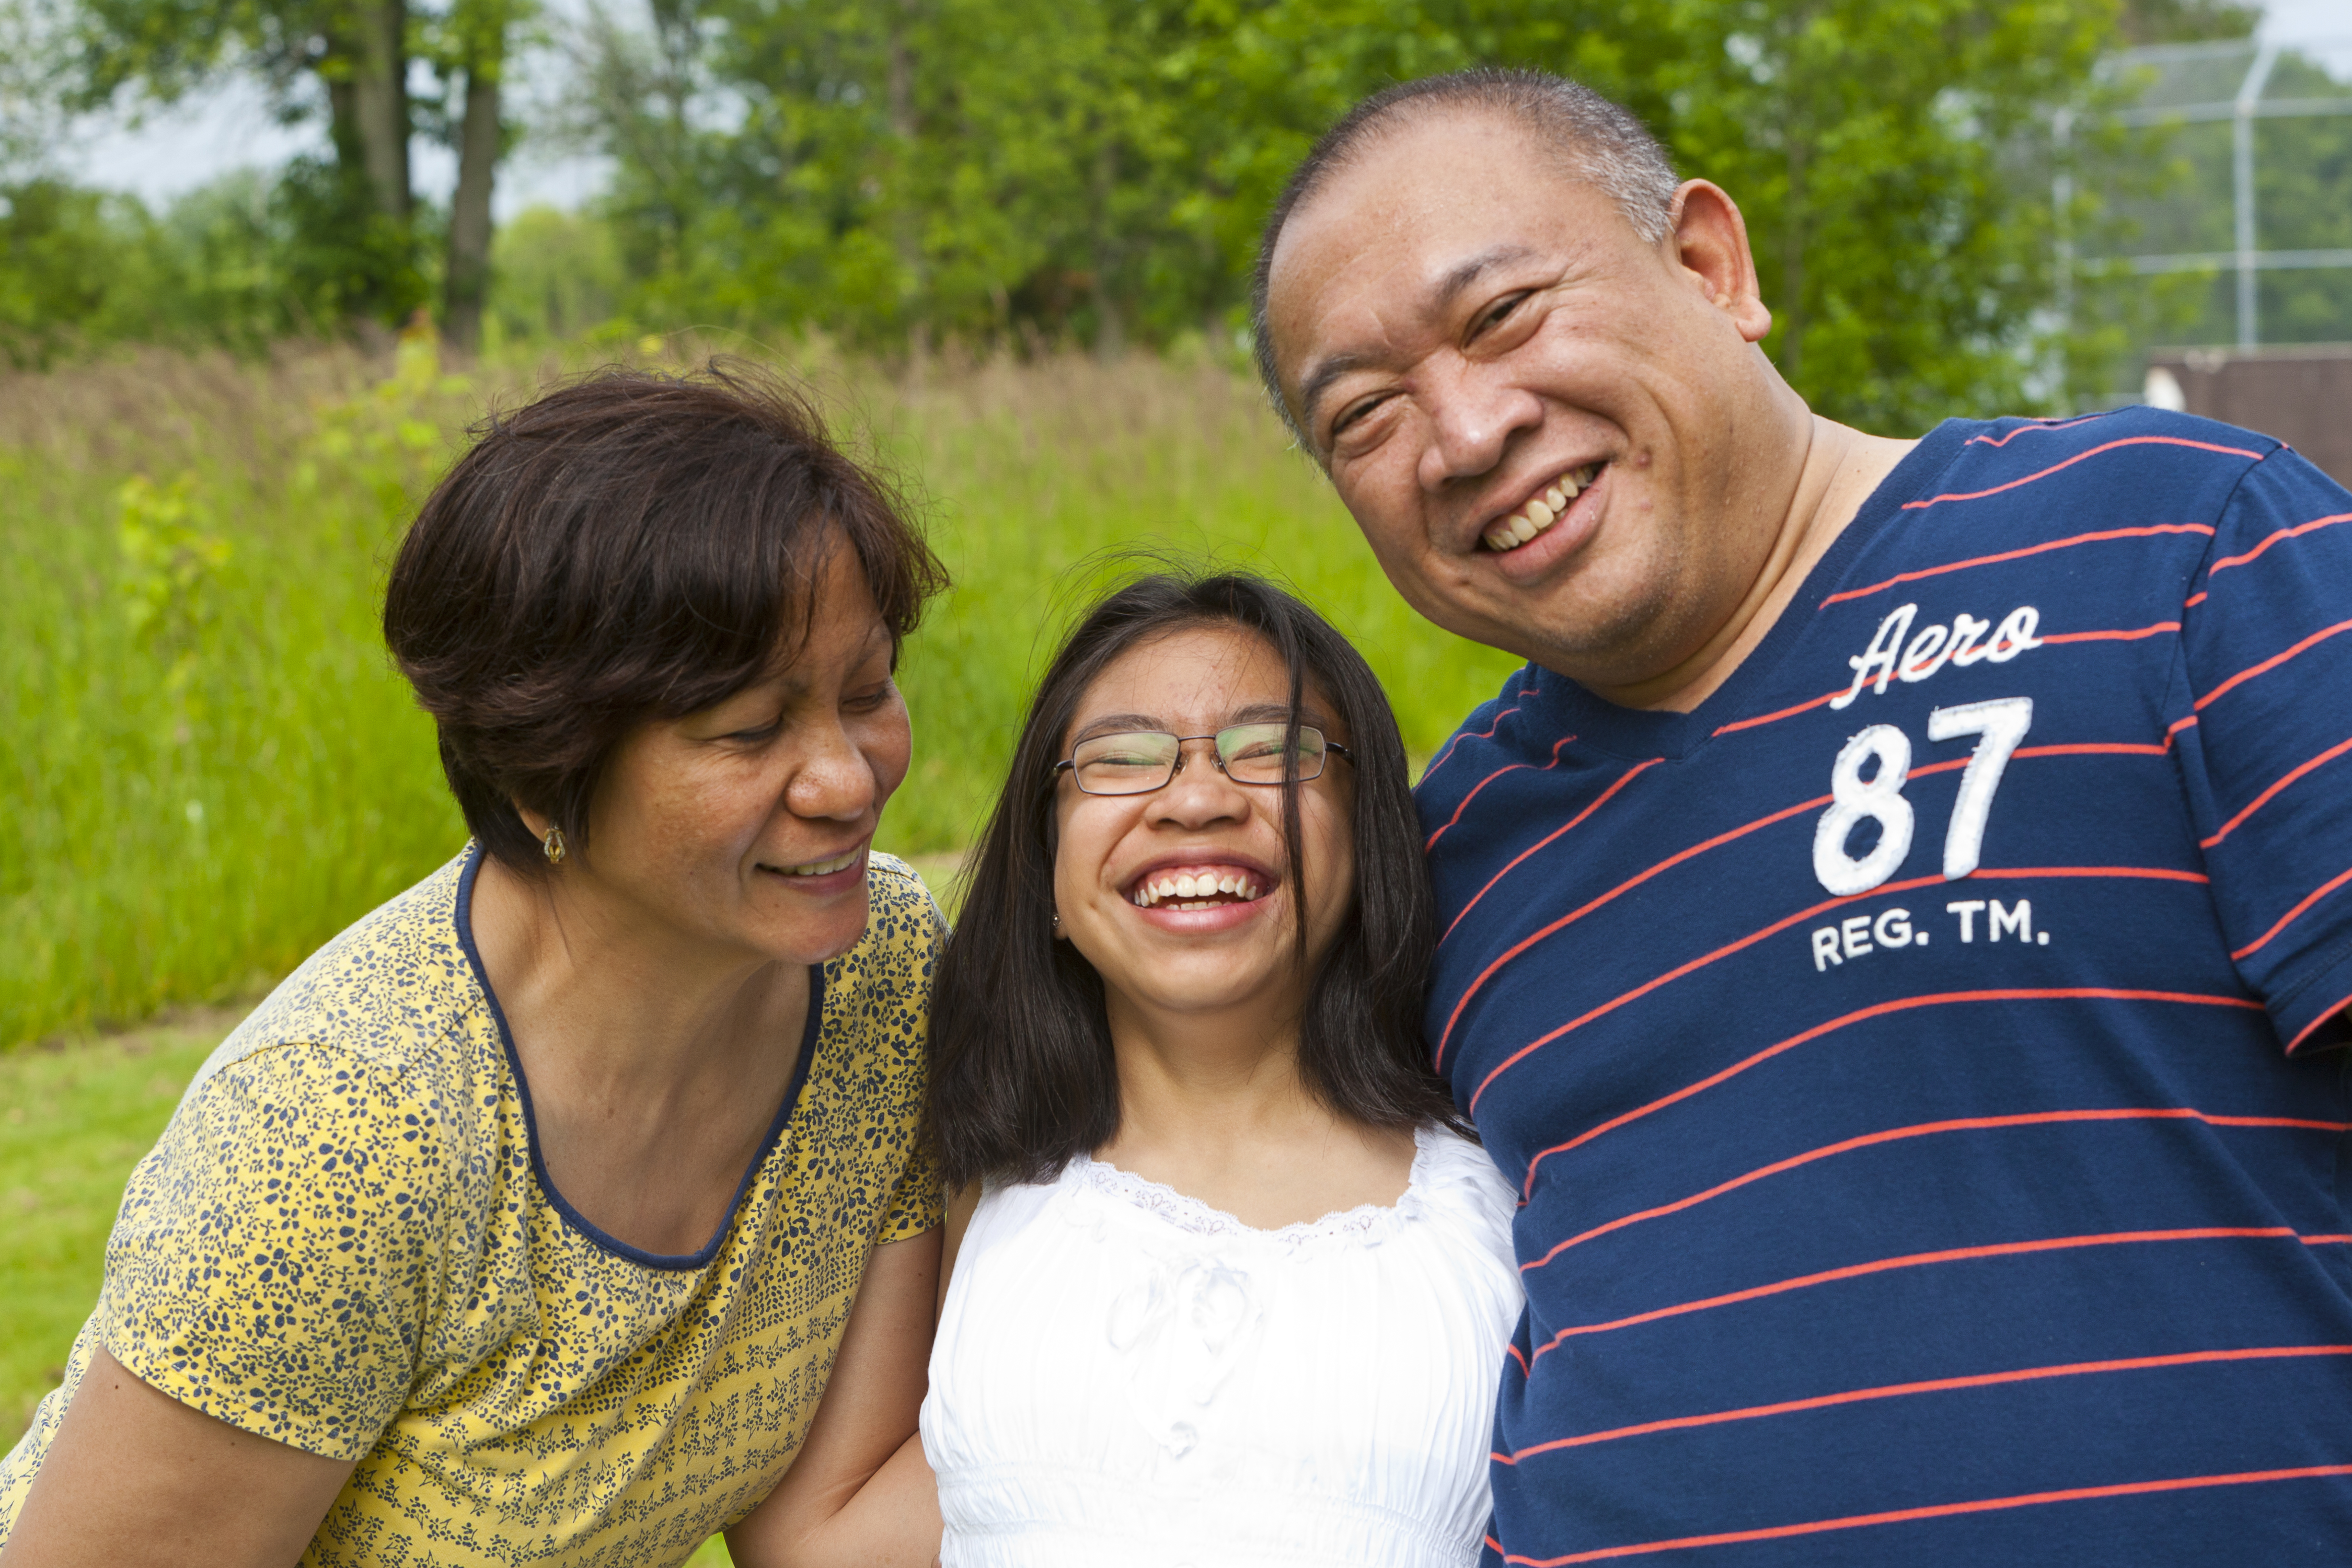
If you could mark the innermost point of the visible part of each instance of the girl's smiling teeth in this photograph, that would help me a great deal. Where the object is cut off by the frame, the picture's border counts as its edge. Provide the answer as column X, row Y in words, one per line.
column 1541, row 510
column 1195, row 887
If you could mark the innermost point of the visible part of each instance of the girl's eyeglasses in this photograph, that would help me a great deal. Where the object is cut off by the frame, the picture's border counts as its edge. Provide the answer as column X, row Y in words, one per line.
column 1136, row 761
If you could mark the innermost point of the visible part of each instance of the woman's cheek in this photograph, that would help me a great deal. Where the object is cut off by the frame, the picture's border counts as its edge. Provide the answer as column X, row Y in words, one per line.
column 887, row 743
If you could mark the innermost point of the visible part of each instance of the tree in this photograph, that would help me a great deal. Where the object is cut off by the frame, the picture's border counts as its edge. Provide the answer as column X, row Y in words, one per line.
column 469, row 44
column 355, row 216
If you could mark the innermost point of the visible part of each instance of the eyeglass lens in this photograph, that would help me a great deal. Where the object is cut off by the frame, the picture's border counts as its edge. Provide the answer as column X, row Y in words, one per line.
column 1139, row 760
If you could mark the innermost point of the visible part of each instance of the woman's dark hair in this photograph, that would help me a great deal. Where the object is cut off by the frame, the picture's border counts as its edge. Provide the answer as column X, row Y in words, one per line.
column 1023, row 1079
column 629, row 546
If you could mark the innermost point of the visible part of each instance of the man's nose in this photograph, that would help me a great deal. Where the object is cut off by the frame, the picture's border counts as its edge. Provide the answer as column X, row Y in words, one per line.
column 1474, row 411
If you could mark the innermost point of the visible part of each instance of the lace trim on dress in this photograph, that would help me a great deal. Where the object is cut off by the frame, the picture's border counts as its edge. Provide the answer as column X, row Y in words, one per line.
column 1366, row 1222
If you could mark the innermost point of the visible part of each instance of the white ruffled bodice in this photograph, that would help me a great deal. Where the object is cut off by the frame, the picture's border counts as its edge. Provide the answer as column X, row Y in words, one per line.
column 1125, row 1375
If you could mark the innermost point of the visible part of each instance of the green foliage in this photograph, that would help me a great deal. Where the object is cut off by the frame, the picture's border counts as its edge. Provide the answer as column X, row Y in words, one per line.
column 554, row 275
column 340, row 257
column 1096, row 169
column 2186, row 21
column 75, row 267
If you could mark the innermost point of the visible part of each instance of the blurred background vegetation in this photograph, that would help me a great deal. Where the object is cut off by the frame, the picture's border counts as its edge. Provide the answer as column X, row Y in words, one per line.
column 905, row 173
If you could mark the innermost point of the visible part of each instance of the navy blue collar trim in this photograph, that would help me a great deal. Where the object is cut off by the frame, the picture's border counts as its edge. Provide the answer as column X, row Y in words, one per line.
column 1637, row 733
column 571, row 1216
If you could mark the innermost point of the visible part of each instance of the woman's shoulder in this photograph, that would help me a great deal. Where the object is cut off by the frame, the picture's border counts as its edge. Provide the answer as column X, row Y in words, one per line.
column 386, row 995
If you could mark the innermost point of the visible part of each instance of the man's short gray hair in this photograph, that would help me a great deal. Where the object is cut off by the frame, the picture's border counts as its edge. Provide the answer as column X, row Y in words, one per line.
column 1596, row 142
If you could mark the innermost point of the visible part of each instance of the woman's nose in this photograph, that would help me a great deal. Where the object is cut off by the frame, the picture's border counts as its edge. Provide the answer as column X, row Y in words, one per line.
column 832, row 778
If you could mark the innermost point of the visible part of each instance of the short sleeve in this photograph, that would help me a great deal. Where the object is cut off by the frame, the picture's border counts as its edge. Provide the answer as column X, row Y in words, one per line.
column 917, row 1203
column 2265, row 739
column 277, row 1257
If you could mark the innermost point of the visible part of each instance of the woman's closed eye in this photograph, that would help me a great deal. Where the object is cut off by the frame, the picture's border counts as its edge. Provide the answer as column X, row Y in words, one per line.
column 870, row 699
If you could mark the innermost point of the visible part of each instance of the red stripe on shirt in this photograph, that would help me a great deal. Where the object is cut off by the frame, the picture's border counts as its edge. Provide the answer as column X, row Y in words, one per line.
column 1581, row 911
column 1880, row 1010
column 2133, row 636
column 2299, row 529
column 1620, row 783
column 2341, row 1005
column 1486, row 734
column 2039, row 426
column 1783, row 713
column 1912, row 1260
column 1929, row 1130
column 2079, row 456
column 1933, row 1511
column 1482, row 784
column 1882, row 890
column 2265, row 798
column 1930, row 1386
column 2271, row 663
column 2153, row 528
column 2288, row 919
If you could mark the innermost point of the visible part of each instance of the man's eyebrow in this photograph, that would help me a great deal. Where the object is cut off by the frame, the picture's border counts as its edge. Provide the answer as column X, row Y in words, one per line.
column 1449, row 288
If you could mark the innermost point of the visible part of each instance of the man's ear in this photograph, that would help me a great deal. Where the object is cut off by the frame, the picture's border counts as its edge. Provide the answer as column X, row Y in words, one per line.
column 1710, row 245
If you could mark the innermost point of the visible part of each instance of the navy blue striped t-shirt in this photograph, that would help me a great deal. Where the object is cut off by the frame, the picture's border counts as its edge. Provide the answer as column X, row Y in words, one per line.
column 1912, row 1060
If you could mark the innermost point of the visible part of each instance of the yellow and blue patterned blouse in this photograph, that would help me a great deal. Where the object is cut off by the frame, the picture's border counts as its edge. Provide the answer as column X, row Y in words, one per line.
column 343, row 1242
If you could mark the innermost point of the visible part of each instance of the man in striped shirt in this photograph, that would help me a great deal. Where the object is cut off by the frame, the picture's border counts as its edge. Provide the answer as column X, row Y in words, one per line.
column 1896, row 924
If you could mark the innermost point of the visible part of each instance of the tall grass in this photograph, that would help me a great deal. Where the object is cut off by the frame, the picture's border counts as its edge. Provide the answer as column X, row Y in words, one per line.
column 210, row 766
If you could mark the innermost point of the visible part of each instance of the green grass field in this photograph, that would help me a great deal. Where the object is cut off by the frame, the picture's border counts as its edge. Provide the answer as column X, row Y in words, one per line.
column 212, row 767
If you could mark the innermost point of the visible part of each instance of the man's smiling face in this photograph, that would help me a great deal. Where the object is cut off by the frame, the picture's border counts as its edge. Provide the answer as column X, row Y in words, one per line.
column 1537, row 417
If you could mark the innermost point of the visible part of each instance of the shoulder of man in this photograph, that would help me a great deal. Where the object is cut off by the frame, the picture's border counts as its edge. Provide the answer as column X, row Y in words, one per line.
column 2124, row 455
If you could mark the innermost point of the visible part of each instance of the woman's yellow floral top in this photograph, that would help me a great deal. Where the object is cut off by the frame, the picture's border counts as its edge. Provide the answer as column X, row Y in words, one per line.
column 343, row 1242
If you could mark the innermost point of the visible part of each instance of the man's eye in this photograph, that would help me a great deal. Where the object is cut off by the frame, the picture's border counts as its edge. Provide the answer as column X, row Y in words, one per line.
column 1495, row 317
column 758, row 735
column 1354, row 413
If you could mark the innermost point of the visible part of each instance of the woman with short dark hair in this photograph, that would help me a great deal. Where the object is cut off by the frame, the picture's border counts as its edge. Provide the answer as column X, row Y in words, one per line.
column 531, row 1218
column 1231, row 1286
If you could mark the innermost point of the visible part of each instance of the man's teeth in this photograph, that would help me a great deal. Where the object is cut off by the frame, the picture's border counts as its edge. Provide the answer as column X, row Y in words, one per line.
column 823, row 868
column 1197, row 889
column 1542, row 512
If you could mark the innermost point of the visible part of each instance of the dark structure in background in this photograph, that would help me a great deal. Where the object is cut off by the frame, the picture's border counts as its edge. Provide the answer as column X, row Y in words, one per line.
column 2301, row 393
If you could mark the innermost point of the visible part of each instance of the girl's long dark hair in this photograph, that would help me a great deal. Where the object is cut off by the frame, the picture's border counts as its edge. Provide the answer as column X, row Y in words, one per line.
column 1022, row 1078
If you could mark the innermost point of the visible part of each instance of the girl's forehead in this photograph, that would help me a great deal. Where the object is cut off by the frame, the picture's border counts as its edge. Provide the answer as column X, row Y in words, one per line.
column 1195, row 672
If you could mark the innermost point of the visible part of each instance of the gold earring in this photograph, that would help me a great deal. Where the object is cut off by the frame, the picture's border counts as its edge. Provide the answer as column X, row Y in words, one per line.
column 553, row 845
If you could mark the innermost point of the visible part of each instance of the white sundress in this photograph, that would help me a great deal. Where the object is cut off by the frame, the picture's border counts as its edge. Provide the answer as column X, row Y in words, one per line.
column 1125, row 1375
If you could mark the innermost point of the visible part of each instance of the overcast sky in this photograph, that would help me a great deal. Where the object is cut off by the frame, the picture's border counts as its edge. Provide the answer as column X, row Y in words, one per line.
column 176, row 148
